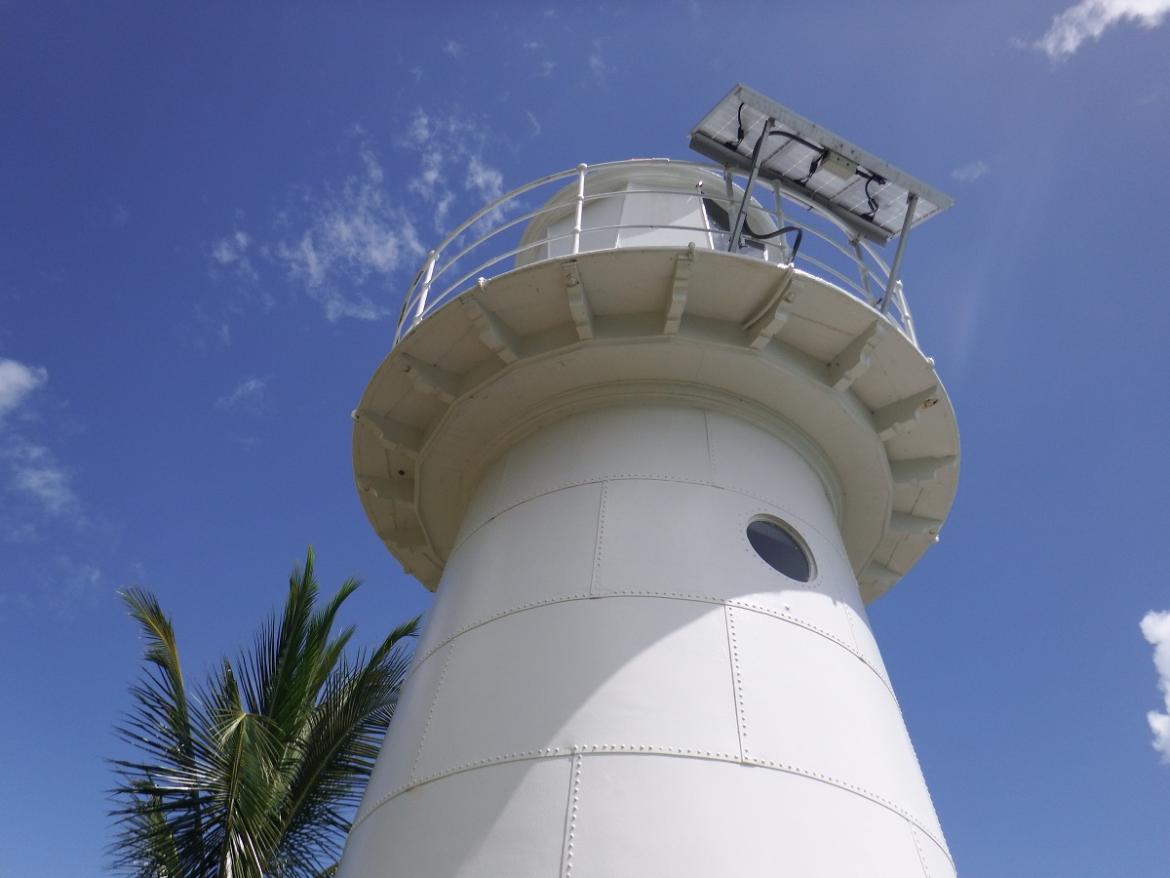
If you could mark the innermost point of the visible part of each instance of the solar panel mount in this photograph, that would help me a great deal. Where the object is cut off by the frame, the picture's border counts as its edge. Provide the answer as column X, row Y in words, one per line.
column 753, row 134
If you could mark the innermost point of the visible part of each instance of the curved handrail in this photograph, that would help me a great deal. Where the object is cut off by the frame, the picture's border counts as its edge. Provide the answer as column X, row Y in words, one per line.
column 852, row 262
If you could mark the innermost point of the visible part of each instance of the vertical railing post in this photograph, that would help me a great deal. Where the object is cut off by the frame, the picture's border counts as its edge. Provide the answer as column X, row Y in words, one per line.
column 911, row 204
column 783, row 245
column 581, row 169
column 904, row 311
column 862, row 268
column 425, row 289
column 741, row 216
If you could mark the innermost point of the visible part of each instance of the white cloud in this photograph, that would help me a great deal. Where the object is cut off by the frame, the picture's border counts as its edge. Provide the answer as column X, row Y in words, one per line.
column 33, row 470
column 249, row 392
column 232, row 253
column 453, row 48
column 486, row 181
column 971, row 171
column 452, row 144
column 533, row 123
column 1089, row 19
column 353, row 234
column 546, row 69
column 596, row 62
column 36, row 473
column 17, row 381
column 1156, row 629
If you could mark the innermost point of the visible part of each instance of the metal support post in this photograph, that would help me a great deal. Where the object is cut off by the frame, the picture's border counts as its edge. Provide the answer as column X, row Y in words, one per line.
column 911, row 204
column 580, row 208
column 862, row 269
column 783, row 245
column 737, row 229
column 428, row 273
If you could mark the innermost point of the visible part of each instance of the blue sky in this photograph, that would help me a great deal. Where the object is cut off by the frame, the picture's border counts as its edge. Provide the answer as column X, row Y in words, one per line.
column 209, row 213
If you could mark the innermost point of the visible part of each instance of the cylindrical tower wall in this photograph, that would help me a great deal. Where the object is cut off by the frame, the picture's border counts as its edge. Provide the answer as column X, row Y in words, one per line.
column 613, row 683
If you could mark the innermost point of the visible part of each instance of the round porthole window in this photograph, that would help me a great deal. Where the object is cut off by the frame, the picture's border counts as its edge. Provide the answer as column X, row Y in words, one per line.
column 780, row 549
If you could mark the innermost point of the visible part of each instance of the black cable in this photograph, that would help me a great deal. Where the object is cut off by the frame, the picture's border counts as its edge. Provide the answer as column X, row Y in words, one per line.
column 796, row 244
column 734, row 144
column 871, row 199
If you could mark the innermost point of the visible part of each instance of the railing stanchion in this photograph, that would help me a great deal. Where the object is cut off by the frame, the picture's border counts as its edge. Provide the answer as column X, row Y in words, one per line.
column 783, row 245
column 581, row 169
column 428, row 273
column 862, row 268
column 911, row 203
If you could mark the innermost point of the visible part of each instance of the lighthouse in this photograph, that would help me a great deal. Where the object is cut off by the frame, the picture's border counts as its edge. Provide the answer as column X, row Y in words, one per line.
column 655, row 433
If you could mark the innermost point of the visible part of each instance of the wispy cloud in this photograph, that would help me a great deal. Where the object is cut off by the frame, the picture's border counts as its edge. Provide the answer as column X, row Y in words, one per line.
column 453, row 48
column 971, row 171
column 1089, row 19
column 1156, row 629
column 353, row 234
column 33, row 472
column 452, row 144
column 248, row 393
column 231, row 253
column 17, row 381
column 533, row 123
column 36, row 473
column 597, row 63
column 342, row 242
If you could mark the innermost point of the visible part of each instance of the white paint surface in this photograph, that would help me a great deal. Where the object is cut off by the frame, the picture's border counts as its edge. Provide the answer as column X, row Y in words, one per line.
column 613, row 684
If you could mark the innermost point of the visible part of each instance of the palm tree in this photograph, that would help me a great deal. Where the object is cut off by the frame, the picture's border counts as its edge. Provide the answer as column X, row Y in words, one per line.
column 257, row 771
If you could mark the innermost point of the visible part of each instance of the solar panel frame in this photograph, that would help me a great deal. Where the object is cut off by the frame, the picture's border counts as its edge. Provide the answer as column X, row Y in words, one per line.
column 791, row 165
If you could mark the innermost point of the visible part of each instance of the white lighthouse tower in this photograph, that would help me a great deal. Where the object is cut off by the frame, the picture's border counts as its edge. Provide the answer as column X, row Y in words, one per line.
column 656, row 432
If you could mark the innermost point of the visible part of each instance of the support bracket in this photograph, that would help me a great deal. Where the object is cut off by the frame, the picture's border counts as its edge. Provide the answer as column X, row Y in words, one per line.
column 396, row 490
column 764, row 325
column 578, row 301
column 679, row 289
column 492, row 331
column 393, row 434
column 855, row 360
column 902, row 416
column 431, row 380
column 920, row 471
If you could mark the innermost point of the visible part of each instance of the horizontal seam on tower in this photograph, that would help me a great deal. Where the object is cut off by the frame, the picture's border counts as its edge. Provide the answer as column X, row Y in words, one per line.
column 651, row 750
column 654, row 477
column 638, row 593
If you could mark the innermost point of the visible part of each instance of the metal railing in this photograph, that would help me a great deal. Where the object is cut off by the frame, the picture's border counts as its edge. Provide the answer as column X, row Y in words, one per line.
column 491, row 241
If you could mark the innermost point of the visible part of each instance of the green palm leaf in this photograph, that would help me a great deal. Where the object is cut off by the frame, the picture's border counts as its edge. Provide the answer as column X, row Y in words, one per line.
column 258, row 772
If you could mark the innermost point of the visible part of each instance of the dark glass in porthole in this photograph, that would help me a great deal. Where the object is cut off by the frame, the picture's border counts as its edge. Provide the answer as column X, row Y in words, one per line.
column 779, row 549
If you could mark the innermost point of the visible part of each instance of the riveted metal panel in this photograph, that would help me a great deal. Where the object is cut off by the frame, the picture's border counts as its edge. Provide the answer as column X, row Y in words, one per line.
column 552, row 533
column 608, row 671
column 651, row 441
column 502, row 821
column 811, row 705
column 701, row 550
column 396, row 763
column 644, row 816
column 743, row 459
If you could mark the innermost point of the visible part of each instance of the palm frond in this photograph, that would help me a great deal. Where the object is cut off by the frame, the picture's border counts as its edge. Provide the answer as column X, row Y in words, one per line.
column 258, row 772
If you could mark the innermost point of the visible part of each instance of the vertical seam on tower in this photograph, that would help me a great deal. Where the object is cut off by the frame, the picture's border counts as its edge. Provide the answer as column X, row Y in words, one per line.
column 431, row 713
column 736, row 683
column 710, row 447
column 852, row 631
column 571, row 815
column 918, row 850
column 595, row 574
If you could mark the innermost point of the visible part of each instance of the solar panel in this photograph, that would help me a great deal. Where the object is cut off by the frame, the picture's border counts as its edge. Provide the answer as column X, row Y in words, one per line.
column 867, row 194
